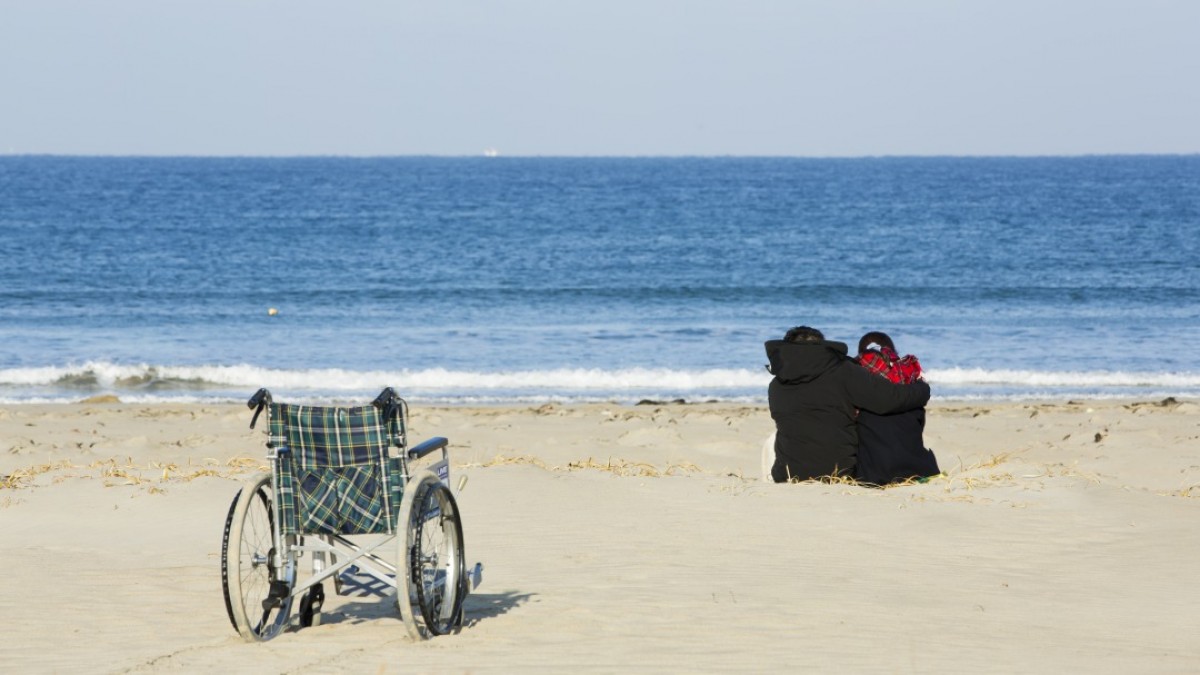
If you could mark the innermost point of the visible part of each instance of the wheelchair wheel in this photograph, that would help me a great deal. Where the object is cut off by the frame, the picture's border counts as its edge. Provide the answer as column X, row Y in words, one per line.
column 432, row 580
column 257, row 590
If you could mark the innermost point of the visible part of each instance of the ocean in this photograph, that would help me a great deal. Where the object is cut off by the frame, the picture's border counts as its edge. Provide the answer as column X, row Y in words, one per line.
column 529, row 280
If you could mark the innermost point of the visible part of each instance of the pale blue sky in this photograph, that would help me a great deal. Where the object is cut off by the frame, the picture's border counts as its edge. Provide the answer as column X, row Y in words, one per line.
column 611, row 77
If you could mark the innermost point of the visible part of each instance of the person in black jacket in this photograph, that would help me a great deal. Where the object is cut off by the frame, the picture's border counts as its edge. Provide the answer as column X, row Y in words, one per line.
column 814, row 399
column 891, row 448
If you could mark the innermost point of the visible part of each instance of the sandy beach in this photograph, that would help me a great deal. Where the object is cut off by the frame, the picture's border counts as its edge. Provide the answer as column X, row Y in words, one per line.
column 1062, row 537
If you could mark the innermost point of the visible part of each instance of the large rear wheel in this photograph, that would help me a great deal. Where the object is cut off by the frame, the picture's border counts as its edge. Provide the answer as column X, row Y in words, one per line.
column 431, row 579
column 256, row 578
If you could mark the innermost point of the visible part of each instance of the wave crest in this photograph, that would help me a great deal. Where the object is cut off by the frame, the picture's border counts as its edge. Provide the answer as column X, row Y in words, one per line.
column 144, row 382
column 114, row 376
column 1041, row 378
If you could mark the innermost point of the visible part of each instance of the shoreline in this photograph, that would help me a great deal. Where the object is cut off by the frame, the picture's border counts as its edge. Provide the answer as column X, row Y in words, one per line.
column 982, row 399
column 617, row 537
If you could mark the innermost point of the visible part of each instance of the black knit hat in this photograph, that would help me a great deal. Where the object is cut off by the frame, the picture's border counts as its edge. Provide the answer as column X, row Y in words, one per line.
column 878, row 338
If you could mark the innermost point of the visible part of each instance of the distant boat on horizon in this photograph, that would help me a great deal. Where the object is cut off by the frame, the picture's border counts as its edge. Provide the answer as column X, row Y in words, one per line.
column 491, row 152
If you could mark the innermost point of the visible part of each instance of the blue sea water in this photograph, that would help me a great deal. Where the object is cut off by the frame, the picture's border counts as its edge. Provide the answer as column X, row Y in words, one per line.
column 469, row 280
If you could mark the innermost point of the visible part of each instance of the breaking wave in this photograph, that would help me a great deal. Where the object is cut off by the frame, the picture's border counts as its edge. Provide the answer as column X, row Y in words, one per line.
column 143, row 382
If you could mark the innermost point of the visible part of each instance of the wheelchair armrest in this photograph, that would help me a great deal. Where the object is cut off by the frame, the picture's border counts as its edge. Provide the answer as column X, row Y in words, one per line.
column 426, row 447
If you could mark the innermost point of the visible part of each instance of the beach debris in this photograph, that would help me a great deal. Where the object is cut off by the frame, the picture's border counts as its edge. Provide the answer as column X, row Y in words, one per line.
column 102, row 398
column 1190, row 491
column 22, row 477
column 246, row 464
column 502, row 459
column 614, row 465
column 117, row 472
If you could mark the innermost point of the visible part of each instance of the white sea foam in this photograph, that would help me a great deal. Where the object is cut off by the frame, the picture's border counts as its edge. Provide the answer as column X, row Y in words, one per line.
column 1042, row 378
column 144, row 382
column 109, row 375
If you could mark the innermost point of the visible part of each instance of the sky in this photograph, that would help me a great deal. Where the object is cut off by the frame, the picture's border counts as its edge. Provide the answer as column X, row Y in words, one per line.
column 599, row 78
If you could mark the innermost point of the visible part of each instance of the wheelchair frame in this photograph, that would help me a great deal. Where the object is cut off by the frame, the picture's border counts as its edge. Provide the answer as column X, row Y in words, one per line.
column 260, row 553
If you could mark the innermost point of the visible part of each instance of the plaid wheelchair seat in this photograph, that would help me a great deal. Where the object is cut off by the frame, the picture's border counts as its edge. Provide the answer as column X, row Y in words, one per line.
column 334, row 475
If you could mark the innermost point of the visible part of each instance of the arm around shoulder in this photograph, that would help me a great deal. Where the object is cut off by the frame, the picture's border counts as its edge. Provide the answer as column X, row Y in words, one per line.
column 878, row 395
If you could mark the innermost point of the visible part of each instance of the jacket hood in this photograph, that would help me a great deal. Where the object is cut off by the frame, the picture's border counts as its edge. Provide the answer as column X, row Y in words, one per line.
column 799, row 362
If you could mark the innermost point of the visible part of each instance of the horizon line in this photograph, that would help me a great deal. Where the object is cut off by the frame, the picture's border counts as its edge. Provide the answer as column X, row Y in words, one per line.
column 501, row 157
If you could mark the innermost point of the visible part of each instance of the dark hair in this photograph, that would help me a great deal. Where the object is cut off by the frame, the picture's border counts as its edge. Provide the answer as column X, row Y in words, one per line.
column 878, row 338
column 803, row 334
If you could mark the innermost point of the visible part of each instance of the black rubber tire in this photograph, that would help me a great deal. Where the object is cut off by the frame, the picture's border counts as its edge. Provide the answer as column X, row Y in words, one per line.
column 247, row 571
column 432, row 566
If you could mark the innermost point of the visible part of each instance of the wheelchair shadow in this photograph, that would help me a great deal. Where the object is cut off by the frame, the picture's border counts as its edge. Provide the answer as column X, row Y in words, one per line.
column 379, row 602
column 362, row 585
column 480, row 606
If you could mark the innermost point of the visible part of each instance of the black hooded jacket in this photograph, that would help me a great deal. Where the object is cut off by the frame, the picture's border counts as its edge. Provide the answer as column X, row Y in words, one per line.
column 814, row 398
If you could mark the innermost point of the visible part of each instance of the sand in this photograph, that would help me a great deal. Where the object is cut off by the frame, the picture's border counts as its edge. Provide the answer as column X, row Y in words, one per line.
column 1064, row 536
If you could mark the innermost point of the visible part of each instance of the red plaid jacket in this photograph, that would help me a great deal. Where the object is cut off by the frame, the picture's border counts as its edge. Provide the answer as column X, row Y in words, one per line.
column 884, row 362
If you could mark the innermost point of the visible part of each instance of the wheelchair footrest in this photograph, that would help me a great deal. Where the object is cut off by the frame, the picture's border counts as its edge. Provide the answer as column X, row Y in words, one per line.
column 474, row 577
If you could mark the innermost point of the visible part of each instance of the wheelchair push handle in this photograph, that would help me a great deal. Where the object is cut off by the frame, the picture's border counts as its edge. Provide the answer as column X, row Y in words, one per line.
column 260, row 400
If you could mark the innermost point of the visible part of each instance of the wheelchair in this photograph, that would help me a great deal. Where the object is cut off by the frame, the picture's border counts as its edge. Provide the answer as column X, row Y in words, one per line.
column 337, row 472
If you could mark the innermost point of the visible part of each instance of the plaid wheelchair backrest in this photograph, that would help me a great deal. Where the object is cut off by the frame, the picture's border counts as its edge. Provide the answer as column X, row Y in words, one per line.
column 321, row 436
column 333, row 472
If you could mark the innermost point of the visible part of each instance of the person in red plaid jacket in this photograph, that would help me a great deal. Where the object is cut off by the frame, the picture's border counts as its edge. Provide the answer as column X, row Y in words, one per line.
column 891, row 448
